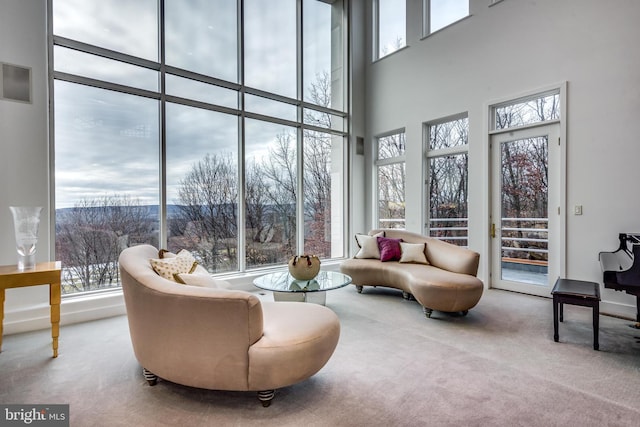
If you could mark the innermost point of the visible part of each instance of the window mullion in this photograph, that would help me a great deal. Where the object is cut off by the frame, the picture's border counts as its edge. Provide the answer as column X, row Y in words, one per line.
column 242, row 200
column 163, row 237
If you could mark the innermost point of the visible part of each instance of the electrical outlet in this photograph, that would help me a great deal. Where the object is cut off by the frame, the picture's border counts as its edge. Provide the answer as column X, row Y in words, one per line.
column 577, row 210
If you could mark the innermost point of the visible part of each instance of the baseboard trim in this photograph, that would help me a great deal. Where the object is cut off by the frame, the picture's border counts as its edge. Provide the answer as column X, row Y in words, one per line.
column 615, row 309
column 72, row 310
column 94, row 307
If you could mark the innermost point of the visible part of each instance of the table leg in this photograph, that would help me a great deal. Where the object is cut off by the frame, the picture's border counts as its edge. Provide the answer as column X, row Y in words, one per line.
column 1, row 314
column 556, row 336
column 596, row 325
column 54, row 302
column 561, row 312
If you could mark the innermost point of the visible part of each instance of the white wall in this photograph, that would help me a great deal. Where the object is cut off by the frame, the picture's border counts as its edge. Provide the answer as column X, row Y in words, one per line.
column 506, row 50
column 24, row 169
column 24, row 144
column 358, row 196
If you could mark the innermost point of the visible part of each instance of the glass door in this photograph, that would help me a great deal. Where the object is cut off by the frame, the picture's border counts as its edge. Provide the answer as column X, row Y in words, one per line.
column 525, row 209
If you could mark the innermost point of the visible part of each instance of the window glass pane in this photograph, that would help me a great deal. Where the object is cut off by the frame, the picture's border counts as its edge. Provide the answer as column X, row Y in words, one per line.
column 323, row 180
column 391, row 204
column 524, row 222
column 269, row 107
column 202, row 36
column 322, row 53
column 125, row 26
column 392, row 22
column 270, row 56
column 270, row 192
column 445, row 12
column 449, row 134
column 528, row 112
column 107, row 181
column 202, row 185
column 199, row 91
column 323, row 120
column 97, row 67
column 391, row 146
column 448, row 195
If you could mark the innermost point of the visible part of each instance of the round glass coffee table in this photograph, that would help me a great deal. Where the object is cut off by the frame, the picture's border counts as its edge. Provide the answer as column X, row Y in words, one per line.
column 286, row 288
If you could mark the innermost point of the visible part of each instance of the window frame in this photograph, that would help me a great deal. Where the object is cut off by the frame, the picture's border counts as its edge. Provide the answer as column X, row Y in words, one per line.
column 375, row 36
column 555, row 92
column 438, row 153
column 402, row 159
column 426, row 18
column 341, row 130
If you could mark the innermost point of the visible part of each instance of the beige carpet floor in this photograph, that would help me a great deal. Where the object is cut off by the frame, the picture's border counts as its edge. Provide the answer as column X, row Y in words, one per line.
column 498, row 366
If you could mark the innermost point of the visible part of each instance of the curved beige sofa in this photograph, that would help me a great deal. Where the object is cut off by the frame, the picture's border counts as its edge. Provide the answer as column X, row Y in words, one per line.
column 221, row 339
column 448, row 284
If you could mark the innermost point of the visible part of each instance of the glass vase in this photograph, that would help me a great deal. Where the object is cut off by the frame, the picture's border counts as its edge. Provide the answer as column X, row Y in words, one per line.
column 26, row 220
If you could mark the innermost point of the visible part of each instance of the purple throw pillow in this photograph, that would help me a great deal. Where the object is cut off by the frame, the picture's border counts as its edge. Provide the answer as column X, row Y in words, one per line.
column 389, row 249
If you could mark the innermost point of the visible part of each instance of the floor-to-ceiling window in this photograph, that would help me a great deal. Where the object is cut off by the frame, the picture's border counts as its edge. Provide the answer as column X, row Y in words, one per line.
column 218, row 126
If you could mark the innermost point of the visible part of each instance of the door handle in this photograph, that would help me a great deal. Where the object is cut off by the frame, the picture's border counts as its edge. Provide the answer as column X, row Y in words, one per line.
column 493, row 230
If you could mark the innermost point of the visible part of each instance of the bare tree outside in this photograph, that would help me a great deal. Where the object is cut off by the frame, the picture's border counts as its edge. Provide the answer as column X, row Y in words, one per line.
column 205, row 216
column 171, row 149
column 525, row 179
column 317, row 193
column 390, row 26
column 279, row 175
column 388, row 48
column 531, row 111
column 205, row 221
column 448, row 182
column 525, row 197
column 391, row 181
column 90, row 236
column 259, row 228
column 317, row 150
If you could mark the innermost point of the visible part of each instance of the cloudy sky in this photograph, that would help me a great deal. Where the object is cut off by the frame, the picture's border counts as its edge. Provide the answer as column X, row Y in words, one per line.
column 392, row 20
column 107, row 142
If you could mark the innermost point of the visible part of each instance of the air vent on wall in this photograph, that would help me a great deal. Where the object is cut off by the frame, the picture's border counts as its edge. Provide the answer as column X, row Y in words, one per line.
column 360, row 145
column 15, row 83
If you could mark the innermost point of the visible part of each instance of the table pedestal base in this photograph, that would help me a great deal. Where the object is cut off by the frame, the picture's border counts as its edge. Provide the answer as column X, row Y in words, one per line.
column 314, row 297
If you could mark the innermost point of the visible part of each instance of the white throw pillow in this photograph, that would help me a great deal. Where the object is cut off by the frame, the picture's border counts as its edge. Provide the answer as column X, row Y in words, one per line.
column 413, row 252
column 204, row 280
column 368, row 245
column 168, row 267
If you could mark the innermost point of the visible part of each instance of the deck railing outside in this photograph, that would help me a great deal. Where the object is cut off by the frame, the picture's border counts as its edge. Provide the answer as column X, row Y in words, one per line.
column 525, row 241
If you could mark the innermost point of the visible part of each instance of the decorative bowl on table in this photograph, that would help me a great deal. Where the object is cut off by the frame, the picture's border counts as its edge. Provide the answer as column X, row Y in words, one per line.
column 304, row 267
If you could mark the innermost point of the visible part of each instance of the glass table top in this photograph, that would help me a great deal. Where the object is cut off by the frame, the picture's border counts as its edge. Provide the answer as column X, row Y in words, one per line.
column 284, row 282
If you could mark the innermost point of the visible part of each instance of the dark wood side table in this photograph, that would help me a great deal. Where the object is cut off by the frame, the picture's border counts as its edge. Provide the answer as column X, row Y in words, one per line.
column 44, row 273
column 576, row 292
